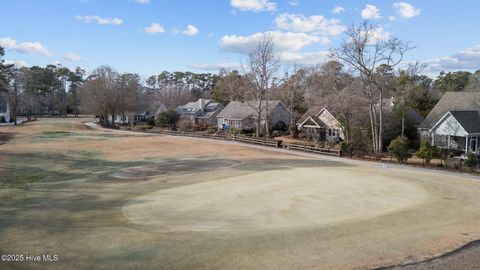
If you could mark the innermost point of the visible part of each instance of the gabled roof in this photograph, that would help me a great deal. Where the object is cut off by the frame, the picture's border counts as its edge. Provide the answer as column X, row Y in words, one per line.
column 194, row 106
column 238, row 110
column 469, row 120
column 310, row 121
column 452, row 101
column 3, row 103
column 414, row 116
column 313, row 112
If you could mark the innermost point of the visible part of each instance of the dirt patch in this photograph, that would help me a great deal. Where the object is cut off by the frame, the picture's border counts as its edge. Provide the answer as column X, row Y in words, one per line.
column 5, row 137
column 176, row 168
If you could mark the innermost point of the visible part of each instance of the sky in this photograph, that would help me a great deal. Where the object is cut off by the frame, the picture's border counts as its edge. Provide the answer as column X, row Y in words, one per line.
column 150, row 36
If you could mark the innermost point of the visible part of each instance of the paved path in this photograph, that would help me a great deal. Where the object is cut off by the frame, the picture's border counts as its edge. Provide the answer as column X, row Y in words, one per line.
column 465, row 258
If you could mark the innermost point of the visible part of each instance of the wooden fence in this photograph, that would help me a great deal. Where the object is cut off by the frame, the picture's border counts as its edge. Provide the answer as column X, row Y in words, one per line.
column 314, row 149
column 253, row 140
column 261, row 141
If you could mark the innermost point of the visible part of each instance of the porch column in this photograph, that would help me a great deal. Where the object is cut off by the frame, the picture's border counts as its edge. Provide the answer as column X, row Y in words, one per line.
column 466, row 145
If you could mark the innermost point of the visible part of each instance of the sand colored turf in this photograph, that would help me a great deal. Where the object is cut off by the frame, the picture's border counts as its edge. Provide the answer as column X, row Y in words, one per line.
column 272, row 200
column 120, row 200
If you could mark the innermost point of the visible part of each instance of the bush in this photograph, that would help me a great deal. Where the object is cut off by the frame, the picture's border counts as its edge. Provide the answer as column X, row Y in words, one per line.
column 2, row 119
column 346, row 148
column 400, row 149
column 330, row 144
column 167, row 118
column 184, row 124
column 471, row 161
column 151, row 121
column 293, row 131
column 234, row 131
column 426, row 151
column 444, row 154
column 280, row 125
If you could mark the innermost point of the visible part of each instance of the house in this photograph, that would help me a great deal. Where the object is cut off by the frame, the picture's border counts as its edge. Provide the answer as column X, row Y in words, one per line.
column 244, row 115
column 4, row 109
column 201, row 112
column 320, row 124
column 137, row 117
column 454, row 122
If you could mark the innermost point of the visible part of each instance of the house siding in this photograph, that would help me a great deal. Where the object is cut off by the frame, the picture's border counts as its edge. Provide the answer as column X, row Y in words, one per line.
column 450, row 126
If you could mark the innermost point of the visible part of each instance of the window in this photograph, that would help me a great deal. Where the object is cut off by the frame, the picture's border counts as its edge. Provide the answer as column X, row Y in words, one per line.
column 330, row 132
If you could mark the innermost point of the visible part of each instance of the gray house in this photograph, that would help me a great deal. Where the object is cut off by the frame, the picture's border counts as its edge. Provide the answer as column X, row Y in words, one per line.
column 135, row 117
column 4, row 109
column 320, row 124
column 243, row 115
column 200, row 112
column 454, row 122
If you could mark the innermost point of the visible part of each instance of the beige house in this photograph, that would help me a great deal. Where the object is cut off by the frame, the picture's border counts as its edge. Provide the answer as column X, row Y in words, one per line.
column 243, row 115
column 320, row 124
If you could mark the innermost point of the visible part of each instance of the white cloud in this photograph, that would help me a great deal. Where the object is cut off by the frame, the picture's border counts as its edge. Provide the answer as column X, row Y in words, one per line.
column 306, row 58
column 141, row 1
column 71, row 57
column 293, row 3
column 218, row 66
column 24, row 47
column 468, row 59
column 371, row 12
column 406, row 10
column 253, row 5
column 16, row 63
column 283, row 41
column 154, row 28
column 392, row 18
column 316, row 23
column 99, row 20
column 8, row 43
column 379, row 34
column 338, row 10
column 190, row 31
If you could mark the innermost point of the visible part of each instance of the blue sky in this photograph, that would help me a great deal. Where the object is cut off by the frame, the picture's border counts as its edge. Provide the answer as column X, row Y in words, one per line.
column 149, row 36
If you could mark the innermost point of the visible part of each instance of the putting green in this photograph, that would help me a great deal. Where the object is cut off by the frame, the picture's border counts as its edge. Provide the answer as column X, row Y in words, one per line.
column 275, row 199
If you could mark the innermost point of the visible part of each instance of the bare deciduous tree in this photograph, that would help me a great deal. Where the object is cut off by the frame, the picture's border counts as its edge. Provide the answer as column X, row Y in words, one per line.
column 373, row 58
column 263, row 65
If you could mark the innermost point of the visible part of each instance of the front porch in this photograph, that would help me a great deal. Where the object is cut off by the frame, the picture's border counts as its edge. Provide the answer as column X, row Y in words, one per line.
column 466, row 144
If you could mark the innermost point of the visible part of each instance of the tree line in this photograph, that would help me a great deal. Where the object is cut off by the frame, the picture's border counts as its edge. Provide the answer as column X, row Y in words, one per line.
column 361, row 74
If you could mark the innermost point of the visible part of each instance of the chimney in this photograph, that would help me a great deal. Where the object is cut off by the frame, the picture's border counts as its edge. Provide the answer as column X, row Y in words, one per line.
column 201, row 104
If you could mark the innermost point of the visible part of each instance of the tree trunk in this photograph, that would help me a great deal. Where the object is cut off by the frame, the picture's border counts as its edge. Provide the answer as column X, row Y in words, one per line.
column 380, row 125
column 267, row 126
column 372, row 125
column 259, row 117
column 113, row 119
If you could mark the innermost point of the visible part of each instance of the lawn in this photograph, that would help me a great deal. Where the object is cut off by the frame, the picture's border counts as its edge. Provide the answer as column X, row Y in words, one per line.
column 109, row 199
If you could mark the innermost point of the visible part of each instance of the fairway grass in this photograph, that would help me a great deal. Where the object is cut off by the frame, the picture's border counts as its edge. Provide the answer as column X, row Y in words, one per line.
column 103, row 199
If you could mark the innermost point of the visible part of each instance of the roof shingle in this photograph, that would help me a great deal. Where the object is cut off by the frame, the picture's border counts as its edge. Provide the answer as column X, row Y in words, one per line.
column 452, row 101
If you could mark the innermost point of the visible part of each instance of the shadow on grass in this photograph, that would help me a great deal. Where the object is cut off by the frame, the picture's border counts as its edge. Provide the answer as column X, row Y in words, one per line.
column 31, row 167
column 286, row 164
column 62, row 134
column 5, row 137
